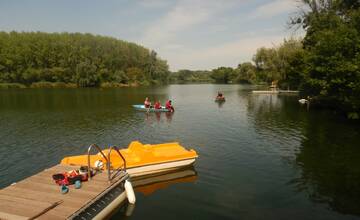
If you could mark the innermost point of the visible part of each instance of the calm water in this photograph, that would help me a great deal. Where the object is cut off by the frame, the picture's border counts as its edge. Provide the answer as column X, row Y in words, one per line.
column 261, row 156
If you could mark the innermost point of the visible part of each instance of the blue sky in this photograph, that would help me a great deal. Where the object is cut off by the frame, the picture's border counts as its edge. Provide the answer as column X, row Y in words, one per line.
column 189, row 34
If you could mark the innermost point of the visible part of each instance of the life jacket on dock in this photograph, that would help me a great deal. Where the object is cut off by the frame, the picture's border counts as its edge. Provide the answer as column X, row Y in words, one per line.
column 69, row 178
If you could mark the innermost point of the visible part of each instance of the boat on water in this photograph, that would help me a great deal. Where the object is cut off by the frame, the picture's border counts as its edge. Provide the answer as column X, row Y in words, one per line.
column 138, row 159
column 143, row 108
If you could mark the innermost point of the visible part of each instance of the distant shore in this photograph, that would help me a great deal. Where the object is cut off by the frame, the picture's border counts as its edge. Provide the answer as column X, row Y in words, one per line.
column 62, row 85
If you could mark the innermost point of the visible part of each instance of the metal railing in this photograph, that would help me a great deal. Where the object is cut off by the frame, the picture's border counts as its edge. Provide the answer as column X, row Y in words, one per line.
column 109, row 162
column 107, row 159
column 88, row 158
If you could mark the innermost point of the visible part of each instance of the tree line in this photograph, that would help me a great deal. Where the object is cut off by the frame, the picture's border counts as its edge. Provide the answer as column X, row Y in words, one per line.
column 324, row 65
column 191, row 76
column 268, row 65
column 84, row 60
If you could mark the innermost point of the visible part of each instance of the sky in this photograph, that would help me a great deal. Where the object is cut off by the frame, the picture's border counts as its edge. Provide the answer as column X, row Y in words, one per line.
column 189, row 34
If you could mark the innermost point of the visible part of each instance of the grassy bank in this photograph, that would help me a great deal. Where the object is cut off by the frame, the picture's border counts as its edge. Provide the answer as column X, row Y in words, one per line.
column 12, row 86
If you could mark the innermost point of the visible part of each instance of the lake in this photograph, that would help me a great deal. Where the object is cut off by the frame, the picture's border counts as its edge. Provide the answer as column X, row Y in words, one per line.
column 260, row 156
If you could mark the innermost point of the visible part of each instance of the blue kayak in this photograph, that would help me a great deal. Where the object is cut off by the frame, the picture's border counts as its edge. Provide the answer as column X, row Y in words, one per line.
column 142, row 108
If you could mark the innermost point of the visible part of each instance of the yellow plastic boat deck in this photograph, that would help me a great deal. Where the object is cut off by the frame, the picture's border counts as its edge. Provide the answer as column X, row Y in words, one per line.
column 138, row 154
column 32, row 195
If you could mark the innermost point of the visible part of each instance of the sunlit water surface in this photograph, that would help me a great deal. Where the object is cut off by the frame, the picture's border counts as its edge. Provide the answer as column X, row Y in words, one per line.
column 261, row 156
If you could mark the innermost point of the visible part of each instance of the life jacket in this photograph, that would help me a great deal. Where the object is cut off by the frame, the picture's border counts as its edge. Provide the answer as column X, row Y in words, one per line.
column 147, row 104
column 157, row 105
column 68, row 178
column 168, row 105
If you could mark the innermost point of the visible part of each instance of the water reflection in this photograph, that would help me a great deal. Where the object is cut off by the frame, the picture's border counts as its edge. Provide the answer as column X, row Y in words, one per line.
column 249, row 150
column 276, row 116
column 220, row 103
column 330, row 166
column 326, row 159
column 169, row 116
column 151, row 117
column 149, row 184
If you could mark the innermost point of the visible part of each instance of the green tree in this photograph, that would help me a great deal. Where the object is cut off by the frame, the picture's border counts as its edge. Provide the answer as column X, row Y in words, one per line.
column 86, row 75
column 29, row 57
column 332, row 45
column 222, row 74
column 135, row 74
column 246, row 73
column 120, row 76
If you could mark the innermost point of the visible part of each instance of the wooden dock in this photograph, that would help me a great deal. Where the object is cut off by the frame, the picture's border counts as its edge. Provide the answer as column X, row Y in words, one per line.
column 275, row 91
column 30, row 197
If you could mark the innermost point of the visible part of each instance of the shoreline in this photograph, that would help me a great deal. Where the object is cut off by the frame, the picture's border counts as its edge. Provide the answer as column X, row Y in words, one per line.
column 61, row 85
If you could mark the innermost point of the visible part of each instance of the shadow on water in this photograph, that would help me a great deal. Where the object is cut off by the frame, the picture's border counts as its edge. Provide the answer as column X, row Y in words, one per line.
column 330, row 165
column 327, row 157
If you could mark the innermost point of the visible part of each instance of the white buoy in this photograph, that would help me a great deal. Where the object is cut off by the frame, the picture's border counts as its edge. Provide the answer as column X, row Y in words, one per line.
column 129, row 192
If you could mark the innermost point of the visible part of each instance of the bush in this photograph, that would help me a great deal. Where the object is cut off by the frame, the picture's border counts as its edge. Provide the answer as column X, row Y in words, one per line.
column 113, row 85
column 45, row 84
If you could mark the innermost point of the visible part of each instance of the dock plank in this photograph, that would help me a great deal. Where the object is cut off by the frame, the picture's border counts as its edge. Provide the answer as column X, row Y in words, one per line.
column 14, row 208
column 34, row 204
column 32, row 195
column 42, row 196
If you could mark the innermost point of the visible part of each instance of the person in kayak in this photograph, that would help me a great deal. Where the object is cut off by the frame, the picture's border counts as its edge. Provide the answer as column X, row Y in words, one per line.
column 220, row 96
column 157, row 105
column 147, row 103
column 169, row 106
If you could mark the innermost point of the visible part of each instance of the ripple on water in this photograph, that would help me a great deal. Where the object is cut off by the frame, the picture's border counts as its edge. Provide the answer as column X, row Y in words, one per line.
column 253, row 149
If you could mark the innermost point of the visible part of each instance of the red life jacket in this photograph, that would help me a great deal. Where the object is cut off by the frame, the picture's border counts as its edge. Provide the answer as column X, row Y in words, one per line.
column 157, row 105
column 168, row 105
column 147, row 104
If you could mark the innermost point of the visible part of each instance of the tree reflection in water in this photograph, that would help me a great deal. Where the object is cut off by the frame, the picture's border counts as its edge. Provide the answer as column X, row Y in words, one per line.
column 327, row 155
column 330, row 165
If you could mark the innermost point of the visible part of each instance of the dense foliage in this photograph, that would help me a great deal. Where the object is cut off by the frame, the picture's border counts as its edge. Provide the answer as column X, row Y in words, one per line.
column 325, row 65
column 332, row 53
column 82, row 59
column 191, row 76
column 282, row 64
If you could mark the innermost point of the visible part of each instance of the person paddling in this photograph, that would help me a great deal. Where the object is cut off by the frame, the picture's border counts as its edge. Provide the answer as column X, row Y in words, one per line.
column 157, row 105
column 147, row 103
column 220, row 96
column 169, row 106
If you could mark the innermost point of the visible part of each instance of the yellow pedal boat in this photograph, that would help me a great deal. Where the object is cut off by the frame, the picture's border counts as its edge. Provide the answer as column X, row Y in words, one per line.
column 140, row 159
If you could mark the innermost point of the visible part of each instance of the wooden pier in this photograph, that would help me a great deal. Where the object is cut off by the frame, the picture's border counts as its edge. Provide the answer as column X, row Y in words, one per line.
column 39, row 197
column 275, row 91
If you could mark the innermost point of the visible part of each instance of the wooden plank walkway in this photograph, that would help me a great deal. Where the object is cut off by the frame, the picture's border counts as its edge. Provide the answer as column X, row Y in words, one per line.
column 32, row 195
